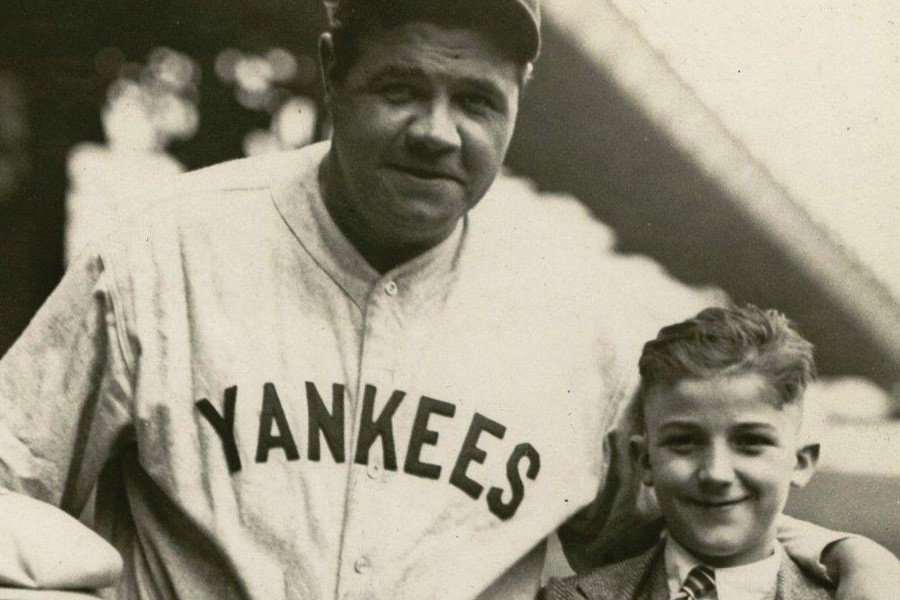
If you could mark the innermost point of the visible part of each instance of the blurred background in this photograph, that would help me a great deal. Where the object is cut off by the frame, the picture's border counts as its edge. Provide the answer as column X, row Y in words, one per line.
column 747, row 147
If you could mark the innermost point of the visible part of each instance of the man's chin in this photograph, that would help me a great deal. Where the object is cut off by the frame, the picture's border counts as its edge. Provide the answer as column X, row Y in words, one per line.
column 418, row 232
column 423, row 219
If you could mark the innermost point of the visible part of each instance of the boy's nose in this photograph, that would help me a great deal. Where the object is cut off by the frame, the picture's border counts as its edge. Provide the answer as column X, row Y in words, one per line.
column 717, row 467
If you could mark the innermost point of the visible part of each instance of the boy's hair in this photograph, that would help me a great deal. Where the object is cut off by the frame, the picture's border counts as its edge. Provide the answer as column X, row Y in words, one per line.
column 719, row 341
column 352, row 19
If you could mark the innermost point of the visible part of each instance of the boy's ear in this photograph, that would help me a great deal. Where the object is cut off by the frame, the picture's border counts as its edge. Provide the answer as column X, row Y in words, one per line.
column 528, row 75
column 640, row 458
column 326, row 62
column 807, row 459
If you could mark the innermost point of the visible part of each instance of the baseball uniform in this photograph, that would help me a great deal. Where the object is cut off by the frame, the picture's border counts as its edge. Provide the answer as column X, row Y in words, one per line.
column 268, row 417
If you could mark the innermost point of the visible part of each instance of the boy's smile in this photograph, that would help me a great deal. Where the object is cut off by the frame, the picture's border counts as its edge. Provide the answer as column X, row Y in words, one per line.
column 722, row 453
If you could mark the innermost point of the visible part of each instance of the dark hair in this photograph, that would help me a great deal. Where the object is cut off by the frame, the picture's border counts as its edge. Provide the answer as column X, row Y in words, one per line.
column 717, row 341
column 353, row 19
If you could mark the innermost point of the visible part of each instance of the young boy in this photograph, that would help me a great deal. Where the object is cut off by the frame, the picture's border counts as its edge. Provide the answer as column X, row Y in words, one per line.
column 721, row 406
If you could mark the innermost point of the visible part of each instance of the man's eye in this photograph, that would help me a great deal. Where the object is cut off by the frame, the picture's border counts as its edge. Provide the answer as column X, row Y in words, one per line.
column 397, row 92
column 475, row 103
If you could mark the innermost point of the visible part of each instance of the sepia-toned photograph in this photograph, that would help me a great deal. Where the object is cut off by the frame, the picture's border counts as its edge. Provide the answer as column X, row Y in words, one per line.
column 450, row 300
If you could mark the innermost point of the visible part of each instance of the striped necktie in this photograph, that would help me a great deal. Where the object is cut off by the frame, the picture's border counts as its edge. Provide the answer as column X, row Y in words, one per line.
column 699, row 582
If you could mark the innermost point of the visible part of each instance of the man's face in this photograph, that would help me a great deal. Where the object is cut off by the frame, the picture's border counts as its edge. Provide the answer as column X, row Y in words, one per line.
column 422, row 122
column 721, row 456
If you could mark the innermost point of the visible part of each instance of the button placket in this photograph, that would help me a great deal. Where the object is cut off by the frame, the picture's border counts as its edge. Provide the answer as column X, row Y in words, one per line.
column 374, row 469
column 376, row 369
column 362, row 565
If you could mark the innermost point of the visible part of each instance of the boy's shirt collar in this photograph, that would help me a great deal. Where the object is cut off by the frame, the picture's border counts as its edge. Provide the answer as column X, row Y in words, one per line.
column 756, row 581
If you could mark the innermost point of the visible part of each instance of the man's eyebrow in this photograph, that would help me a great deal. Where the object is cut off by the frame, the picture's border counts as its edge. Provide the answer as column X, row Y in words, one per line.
column 397, row 71
column 483, row 84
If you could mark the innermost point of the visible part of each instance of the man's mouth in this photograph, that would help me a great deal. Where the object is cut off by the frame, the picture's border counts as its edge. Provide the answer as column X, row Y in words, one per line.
column 427, row 173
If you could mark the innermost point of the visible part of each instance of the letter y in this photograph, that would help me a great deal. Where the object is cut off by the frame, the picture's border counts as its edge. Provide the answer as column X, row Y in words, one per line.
column 224, row 426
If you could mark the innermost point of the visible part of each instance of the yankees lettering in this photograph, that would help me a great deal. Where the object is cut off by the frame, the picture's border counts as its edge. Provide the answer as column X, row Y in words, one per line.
column 275, row 433
column 278, row 420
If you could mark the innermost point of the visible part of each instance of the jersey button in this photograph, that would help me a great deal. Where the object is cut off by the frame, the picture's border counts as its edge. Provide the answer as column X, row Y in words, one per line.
column 362, row 565
column 391, row 288
column 374, row 471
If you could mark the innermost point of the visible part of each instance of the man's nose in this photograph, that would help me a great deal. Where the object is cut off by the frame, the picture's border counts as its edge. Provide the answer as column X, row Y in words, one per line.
column 718, row 465
column 434, row 129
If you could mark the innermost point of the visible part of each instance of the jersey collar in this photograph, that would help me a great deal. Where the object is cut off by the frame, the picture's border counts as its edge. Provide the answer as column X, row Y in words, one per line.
column 298, row 197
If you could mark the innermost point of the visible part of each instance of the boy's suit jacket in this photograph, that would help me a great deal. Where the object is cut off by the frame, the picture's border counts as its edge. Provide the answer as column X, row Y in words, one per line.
column 644, row 578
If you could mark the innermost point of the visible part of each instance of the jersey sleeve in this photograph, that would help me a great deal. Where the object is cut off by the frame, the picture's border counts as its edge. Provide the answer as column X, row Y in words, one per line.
column 805, row 542
column 623, row 520
column 65, row 389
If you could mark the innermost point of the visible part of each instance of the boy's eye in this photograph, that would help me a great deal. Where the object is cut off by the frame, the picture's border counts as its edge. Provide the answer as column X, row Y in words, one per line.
column 681, row 444
column 751, row 443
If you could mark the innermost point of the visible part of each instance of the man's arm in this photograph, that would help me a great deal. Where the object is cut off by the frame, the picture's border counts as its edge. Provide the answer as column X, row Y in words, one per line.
column 864, row 570
column 623, row 521
column 42, row 547
column 861, row 568
column 64, row 392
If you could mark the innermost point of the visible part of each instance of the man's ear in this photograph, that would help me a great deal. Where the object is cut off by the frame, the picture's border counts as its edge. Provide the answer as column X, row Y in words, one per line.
column 326, row 62
column 640, row 458
column 807, row 459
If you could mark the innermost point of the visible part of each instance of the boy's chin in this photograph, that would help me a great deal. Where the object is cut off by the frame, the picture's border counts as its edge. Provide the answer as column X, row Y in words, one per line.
column 727, row 551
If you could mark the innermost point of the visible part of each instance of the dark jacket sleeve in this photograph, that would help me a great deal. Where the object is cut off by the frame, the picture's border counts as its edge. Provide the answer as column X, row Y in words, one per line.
column 560, row 589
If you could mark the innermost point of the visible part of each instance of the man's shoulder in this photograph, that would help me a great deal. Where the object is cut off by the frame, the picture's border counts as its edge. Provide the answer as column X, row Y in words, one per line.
column 217, row 184
column 796, row 584
column 232, row 194
column 255, row 172
column 621, row 580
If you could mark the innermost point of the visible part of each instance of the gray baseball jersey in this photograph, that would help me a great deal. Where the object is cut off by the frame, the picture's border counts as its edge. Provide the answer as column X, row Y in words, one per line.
column 268, row 417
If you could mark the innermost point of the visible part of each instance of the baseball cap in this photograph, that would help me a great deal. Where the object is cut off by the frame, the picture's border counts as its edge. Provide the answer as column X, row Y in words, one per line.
column 524, row 18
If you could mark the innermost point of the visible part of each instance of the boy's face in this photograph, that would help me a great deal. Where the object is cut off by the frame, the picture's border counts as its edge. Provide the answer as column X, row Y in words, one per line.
column 722, row 456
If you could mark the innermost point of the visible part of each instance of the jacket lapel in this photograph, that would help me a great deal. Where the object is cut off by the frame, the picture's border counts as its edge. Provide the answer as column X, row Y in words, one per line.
column 628, row 579
column 653, row 585
column 656, row 585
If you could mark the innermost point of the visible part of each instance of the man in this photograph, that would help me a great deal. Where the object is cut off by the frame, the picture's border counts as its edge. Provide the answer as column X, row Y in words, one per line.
column 316, row 375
